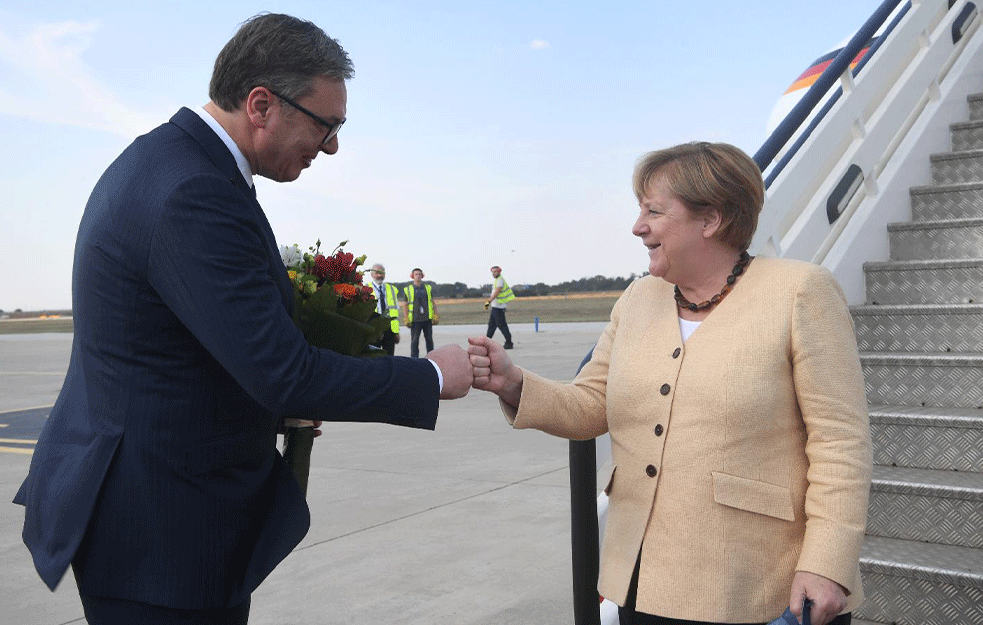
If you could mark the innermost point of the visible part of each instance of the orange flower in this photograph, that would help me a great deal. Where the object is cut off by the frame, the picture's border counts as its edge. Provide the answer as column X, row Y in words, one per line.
column 348, row 291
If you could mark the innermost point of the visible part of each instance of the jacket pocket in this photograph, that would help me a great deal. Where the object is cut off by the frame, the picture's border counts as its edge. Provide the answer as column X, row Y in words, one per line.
column 220, row 453
column 753, row 496
column 610, row 479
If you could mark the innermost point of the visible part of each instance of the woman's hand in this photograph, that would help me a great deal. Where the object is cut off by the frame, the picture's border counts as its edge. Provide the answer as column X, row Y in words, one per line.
column 494, row 371
column 828, row 597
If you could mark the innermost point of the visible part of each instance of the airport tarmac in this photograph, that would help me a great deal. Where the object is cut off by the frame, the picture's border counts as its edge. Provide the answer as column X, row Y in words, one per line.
column 468, row 524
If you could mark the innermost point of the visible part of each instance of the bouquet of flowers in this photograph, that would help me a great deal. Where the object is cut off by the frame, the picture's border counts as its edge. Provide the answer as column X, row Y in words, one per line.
column 335, row 311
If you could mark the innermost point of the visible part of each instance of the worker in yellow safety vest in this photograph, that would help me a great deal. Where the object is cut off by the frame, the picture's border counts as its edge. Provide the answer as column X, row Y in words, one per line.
column 419, row 311
column 386, row 305
column 501, row 294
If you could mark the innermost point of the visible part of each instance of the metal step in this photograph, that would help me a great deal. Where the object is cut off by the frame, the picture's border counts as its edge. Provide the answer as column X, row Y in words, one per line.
column 975, row 106
column 953, row 380
column 936, row 240
column 940, row 507
column 925, row 281
column 948, row 439
column 965, row 166
column 967, row 135
column 947, row 201
column 919, row 327
column 914, row 583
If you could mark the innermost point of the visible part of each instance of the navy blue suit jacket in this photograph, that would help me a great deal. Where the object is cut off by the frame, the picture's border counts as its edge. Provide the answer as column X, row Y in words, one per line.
column 157, row 473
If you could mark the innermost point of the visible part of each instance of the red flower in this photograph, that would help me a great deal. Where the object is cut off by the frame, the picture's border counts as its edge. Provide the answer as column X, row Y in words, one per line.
column 320, row 268
column 338, row 268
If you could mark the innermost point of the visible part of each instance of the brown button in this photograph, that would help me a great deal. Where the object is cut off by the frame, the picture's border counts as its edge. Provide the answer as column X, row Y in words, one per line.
column 676, row 353
column 650, row 471
column 665, row 389
column 658, row 430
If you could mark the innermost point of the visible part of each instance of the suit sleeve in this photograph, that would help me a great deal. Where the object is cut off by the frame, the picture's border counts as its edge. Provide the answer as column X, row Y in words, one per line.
column 210, row 265
column 830, row 390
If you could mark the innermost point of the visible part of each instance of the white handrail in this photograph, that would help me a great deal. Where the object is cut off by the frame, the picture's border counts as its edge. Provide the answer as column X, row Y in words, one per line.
column 889, row 119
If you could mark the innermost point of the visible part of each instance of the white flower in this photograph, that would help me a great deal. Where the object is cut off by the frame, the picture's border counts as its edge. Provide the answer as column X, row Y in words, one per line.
column 290, row 255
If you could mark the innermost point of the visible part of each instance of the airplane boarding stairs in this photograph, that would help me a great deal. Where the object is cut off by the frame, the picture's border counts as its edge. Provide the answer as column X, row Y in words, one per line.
column 920, row 336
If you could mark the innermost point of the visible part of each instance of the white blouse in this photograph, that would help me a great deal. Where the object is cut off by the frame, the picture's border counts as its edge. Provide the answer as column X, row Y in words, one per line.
column 687, row 327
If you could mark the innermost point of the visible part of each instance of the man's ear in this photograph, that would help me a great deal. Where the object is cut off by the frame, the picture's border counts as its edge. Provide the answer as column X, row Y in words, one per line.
column 259, row 106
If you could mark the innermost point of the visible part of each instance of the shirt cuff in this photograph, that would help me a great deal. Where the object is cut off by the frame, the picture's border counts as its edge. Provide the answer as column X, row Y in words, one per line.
column 440, row 377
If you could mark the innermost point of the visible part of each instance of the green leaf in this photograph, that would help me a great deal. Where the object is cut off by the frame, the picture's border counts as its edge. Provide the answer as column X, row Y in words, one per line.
column 329, row 330
column 359, row 311
column 324, row 299
column 310, row 285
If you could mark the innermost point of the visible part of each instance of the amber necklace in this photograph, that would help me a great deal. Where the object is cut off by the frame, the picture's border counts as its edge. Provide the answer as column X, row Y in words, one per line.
column 738, row 269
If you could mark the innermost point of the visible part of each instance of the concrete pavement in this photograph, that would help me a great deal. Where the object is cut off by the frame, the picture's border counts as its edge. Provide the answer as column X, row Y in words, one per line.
column 467, row 525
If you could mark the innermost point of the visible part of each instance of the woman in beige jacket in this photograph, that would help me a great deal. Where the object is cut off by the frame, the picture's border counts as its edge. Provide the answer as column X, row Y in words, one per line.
column 732, row 391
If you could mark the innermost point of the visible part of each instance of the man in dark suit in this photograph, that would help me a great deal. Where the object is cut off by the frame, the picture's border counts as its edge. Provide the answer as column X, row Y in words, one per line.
column 156, row 476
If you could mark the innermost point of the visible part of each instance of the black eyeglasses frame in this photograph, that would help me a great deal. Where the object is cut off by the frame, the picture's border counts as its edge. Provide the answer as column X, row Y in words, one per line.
column 333, row 127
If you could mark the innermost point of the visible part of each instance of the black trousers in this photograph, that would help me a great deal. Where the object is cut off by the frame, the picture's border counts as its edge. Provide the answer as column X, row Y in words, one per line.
column 628, row 616
column 388, row 342
column 631, row 617
column 421, row 326
column 497, row 320
column 105, row 611
column 640, row 618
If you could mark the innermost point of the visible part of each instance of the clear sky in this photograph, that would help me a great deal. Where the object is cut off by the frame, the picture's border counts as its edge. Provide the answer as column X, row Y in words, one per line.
column 479, row 132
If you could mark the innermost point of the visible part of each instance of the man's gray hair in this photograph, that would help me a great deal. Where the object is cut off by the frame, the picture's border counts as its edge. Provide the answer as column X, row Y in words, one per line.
column 279, row 52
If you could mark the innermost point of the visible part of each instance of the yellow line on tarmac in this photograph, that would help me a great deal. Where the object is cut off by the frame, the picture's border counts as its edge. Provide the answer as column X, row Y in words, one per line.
column 18, row 440
column 27, row 409
column 32, row 373
column 17, row 450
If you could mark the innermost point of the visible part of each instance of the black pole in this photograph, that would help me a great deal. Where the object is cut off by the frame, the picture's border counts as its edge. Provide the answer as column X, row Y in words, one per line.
column 583, row 528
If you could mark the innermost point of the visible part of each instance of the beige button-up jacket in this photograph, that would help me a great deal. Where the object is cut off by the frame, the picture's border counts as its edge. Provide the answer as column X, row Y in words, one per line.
column 761, row 466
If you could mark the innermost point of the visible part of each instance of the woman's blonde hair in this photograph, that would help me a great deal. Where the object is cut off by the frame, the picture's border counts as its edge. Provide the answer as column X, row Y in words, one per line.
column 709, row 176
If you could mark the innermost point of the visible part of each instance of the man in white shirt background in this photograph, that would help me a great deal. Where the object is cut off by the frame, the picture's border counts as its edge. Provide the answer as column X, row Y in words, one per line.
column 386, row 305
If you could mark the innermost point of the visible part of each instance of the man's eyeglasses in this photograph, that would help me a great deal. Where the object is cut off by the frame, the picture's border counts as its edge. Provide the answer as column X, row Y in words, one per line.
column 333, row 127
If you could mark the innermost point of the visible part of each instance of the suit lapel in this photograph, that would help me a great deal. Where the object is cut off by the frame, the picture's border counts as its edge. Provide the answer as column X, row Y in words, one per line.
column 277, row 269
column 195, row 127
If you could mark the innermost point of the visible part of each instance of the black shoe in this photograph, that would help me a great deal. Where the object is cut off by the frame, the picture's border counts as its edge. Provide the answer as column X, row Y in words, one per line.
column 508, row 345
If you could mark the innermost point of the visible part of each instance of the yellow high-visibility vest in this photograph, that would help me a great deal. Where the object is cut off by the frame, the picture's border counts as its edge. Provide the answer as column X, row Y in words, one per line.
column 410, row 293
column 506, row 294
column 391, row 304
